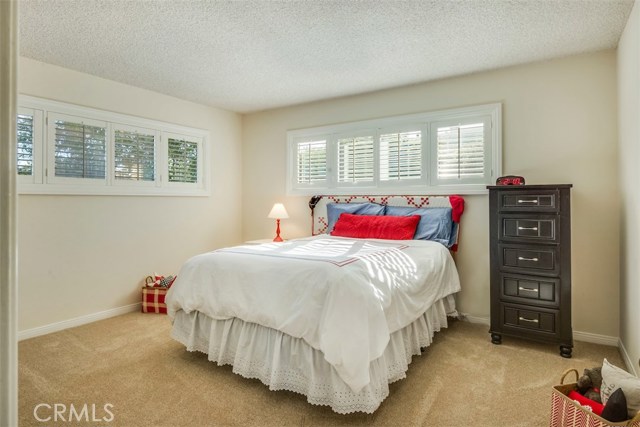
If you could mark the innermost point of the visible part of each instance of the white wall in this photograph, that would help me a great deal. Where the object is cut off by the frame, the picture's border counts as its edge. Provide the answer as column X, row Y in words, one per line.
column 629, row 119
column 80, row 255
column 559, row 126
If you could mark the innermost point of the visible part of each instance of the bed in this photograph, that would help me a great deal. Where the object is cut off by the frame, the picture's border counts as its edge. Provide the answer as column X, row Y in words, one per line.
column 331, row 316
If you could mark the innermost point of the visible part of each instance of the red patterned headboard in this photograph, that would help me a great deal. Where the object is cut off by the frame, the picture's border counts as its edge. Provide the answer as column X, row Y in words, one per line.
column 318, row 205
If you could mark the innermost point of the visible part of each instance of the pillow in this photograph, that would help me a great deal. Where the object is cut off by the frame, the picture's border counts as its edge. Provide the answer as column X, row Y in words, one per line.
column 614, row 378
column 616, row 408
column 376, row 227
column 435, row 223
column 335, row 209
column 596, row 407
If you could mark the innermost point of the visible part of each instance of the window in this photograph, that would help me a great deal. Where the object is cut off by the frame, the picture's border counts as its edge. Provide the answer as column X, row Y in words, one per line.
column 401, row 156
column 68, row 149
column 437, row 153
column 135, row 155
column 79, row 148
column 311, row 162
column 462, row 151
column 355, row 159
column 25, row 144
column 183, row 160
column 29, row 134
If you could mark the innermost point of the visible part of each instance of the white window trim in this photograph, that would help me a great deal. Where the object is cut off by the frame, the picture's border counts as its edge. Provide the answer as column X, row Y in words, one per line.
column 426, row 185
column 43, row 181
column 112, row 170
column 37, row 174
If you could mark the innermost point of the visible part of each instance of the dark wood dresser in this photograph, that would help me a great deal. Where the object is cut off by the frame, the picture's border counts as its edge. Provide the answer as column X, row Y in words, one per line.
column 530, row 243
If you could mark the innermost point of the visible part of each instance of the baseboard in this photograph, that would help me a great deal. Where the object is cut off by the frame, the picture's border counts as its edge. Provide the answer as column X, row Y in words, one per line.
column 577, row 335
column 78, row 321
column 474, row 319
column 596, row 338
column 631, row 367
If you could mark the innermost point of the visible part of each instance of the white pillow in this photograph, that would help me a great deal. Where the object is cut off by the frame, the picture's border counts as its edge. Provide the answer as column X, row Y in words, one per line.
column 614, row 378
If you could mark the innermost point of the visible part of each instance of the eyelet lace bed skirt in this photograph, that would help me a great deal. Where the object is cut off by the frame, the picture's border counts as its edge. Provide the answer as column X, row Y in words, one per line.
column 283, row 362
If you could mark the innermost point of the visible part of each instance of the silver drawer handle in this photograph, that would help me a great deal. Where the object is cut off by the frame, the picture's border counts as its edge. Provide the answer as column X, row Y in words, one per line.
column 527, row 201
column 528, row 320
column 521, row 258
column 528, row 228
column 520, row 288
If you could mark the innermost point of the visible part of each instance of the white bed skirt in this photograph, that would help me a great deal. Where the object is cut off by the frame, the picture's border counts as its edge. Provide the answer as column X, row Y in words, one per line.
column 286, row 363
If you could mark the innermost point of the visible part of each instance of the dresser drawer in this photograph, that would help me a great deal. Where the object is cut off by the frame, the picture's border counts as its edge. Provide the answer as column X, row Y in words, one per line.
column 529, row 259
column 530, row 289
column 526, row 318
column 528, row 201
column 542, row 228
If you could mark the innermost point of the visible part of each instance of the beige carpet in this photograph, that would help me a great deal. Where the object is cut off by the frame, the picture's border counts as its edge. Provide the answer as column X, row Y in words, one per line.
column 131, row 363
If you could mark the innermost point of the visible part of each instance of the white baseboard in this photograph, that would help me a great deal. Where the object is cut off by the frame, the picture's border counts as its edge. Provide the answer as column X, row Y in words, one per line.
column 82, row 320
column 577, row 335
column 596, row 338
column 631, row 367
column 474, row 319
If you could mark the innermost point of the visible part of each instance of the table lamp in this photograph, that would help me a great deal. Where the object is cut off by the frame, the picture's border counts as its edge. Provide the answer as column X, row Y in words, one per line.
column 278, row 212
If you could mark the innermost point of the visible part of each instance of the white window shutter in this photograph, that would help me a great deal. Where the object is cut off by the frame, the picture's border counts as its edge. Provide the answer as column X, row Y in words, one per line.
column 24, row 150
column 401, row 156
column 183, row 158
column 134, row 158
column 311, row 162
column 80, row 150
column 462, row 151
column 355, row 159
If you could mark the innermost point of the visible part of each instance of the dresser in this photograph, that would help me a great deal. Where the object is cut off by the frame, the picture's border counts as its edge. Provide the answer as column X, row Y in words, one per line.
column 530, row 251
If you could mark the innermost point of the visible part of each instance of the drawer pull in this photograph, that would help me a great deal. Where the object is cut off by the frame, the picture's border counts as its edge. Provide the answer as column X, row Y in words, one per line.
column 527, row 320
column 520, row 288
column 528, row 228
column 521, row 258
column 534, row 201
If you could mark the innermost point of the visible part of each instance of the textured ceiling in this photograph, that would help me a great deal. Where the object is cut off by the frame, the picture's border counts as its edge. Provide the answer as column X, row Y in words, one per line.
column 253, row 55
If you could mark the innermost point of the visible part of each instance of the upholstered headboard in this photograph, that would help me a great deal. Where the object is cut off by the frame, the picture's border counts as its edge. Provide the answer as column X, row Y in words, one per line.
column 318, row 205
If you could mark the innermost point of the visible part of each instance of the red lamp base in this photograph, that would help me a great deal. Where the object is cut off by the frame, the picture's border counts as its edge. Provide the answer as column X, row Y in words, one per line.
column 278, row 238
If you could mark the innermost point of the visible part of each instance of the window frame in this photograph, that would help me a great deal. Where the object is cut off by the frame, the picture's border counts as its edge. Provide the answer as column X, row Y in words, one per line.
column 460, row 121
column 292, row 168
column 335, row 140
column 44, row 180
column 156, row 145
column 398, row 124
column 51, row 177
column 37, row 157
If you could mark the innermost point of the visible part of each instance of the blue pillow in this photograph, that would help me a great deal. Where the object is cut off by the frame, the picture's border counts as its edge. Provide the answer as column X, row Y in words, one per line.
column 435, row 223
column 335, row 209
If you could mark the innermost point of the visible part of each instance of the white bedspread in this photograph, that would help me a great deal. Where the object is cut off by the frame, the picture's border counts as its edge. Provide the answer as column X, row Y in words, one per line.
column 343, row 296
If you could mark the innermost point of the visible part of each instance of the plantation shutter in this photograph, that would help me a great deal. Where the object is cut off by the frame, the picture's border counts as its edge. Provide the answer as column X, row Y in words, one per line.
column 183, row 160
column 24, row 152
column 80, row 150
column 134, row 156
column 401, row 156
column 461, row 152
column 311, row 162
column 355, row 159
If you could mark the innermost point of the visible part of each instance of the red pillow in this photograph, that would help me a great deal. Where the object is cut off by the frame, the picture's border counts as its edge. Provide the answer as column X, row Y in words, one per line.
column 376, row 226
column 595, row 406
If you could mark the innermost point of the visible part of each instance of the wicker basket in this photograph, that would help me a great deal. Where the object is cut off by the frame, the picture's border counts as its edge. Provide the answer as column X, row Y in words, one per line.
column 568, row 413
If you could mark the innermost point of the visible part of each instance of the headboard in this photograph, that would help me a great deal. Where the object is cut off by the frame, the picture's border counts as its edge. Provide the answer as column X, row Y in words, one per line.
column 318, row 206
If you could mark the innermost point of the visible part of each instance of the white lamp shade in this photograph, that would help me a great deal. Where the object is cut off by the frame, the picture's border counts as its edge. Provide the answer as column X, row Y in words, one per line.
column 278, row 212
